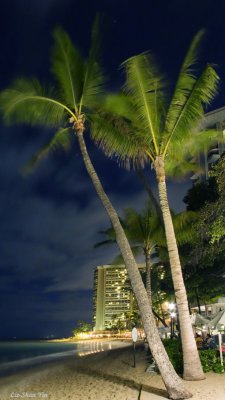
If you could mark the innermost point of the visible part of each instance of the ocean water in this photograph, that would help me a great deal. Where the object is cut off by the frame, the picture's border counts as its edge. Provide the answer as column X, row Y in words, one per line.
column 17, row 355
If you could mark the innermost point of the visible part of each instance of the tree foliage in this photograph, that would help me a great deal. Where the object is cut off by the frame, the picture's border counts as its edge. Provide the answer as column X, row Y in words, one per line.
column 82, row 327
column 144, row 121
column 212, row 217
column 205, row 265
column 200, row 194
column 77, row 90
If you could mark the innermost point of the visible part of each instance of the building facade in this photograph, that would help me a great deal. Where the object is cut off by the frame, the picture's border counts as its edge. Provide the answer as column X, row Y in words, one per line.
column 213, row 120
column 112, row 297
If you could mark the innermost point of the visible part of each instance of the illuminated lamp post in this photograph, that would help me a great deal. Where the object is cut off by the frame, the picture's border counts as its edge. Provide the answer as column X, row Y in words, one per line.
column 171, row 308
column 173, row 315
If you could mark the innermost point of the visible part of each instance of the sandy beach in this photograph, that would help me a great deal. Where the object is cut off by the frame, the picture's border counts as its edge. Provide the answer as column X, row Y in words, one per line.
column 105, row 375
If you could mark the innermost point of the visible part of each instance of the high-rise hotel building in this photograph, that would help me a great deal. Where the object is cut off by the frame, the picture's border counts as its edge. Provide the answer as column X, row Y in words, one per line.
column 112, row 295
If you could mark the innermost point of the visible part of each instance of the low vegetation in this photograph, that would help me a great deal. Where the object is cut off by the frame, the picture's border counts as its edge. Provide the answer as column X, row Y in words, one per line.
column 210, row 359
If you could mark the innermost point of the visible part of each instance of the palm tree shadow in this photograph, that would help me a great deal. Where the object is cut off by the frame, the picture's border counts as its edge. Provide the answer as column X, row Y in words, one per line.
column 131, row 383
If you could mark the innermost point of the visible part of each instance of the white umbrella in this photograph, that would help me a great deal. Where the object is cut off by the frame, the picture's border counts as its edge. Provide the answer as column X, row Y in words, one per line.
column 219, row 319
column 198, row 320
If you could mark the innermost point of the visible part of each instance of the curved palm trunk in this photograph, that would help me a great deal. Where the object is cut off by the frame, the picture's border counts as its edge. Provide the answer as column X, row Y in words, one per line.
column 173, row 383
column 149, row 286
column 148, row 277
column 192, row 365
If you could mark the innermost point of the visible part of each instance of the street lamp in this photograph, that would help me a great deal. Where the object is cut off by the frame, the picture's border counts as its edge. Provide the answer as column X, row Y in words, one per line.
column 171, row 308
column 172, row 315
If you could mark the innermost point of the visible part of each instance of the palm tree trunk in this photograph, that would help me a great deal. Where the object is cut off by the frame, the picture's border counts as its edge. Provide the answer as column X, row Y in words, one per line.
column 148, row 277
column 192, row 365
column 173, row 383
column 149, row 286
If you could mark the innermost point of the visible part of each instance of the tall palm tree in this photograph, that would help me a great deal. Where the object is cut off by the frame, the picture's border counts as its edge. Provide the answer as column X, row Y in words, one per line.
column 71, row 101
column 146, row 235
column 140, row 125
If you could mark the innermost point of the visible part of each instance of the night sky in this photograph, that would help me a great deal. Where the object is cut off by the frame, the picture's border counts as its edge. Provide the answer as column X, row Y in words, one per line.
column 50, row 219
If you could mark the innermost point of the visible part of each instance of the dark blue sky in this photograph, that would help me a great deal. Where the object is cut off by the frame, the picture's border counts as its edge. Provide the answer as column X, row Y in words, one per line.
column 49, row 220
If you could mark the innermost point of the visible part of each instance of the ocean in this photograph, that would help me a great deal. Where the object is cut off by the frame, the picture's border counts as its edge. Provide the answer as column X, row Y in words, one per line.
column 17, row 355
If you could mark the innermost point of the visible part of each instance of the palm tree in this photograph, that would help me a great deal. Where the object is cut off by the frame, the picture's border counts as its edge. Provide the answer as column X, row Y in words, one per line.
column 71, row 101
column 146, row 235
column 138, row 229
column 139, row 125
column 143, row 231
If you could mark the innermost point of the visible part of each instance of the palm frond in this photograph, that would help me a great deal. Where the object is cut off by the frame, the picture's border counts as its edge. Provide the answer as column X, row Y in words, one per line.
column 117, row 139
column 184, row 85
column 94, row 78
column 152, row 198
column 200, row 141
column 134, row 226
column 118, row 260
column 158, row 233
column 104, row 243
column 68, row 68
column 184, row 226
column 144, row 228
column 27, row 102
column 122, row 134
column 163, row 254
column 177, row 168
column 183, row 155
column 95, row 49
column 190, row 109
column 184, row 218
column 144, row 85
column 61, row 139
column 111, row 237
column 120, row 104
column 136, row 250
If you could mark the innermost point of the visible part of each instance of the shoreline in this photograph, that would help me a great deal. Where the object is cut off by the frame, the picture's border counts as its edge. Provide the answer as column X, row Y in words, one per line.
column 104, row 375
column 74, row 340
column 80, row 348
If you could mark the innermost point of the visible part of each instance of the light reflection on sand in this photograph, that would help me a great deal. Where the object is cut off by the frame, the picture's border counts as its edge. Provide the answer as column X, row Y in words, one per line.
column 93, row 347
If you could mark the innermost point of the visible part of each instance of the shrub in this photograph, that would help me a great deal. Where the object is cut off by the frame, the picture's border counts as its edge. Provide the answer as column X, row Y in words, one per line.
column 211, row 361
column 174, row 351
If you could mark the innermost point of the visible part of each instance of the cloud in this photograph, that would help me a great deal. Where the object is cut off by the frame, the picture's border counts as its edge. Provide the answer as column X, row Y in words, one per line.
column 48, row 231
column 50, row 220
column 34, row 314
